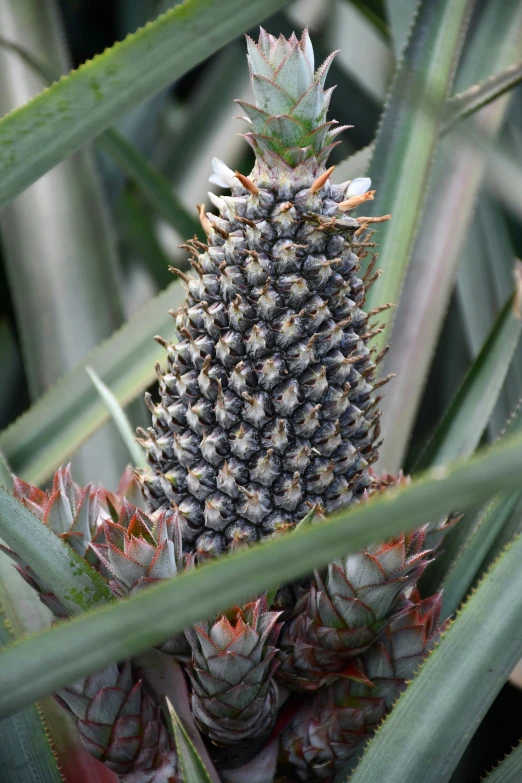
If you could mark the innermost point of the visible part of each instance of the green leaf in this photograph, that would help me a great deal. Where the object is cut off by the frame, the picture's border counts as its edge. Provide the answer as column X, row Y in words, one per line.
column 25, row 750
column 407, row 139
column 59, row 251
column 438, row 714
column 453, row 194
column 52, row 429
column 75, row 583
column 190, row 761
column 460, row 430
column 166, row 680
column 474, row 98
column 120, row 420
column 90, row 642
column 6, row 476
column 467, row 566
column 90, row 99
column 477, row 540
column 509, row 770
column 400, row 15
column 154, row 186
column 485, row 278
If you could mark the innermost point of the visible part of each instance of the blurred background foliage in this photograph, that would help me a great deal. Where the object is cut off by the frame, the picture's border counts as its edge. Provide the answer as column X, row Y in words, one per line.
column 86, row 247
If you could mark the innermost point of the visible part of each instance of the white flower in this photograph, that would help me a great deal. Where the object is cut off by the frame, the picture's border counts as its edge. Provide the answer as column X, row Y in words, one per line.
column 358, row 186
column 222, row 176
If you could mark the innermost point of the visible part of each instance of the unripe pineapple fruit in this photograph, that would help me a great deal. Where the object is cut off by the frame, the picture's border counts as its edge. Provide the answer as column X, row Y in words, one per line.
column 266, row 405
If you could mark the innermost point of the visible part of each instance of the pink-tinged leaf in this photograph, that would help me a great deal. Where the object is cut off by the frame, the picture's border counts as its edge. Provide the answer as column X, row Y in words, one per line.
column 58, row 515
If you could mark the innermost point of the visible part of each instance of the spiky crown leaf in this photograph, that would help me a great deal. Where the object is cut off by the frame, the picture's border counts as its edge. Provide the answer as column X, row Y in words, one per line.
column 331, row 731
column 345, row 611
column 139, row 550
column 234, row 696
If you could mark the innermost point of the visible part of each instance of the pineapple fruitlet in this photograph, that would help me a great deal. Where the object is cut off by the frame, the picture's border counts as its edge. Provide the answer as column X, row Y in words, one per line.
column 266, row 414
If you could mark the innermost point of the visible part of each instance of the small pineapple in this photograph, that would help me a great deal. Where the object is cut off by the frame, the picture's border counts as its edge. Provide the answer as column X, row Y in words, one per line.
column 69, row 511
column 121, row 725
column 234, row 696
column 135, row 551
column 345, row 611
column 328, row 734
column 266, row 405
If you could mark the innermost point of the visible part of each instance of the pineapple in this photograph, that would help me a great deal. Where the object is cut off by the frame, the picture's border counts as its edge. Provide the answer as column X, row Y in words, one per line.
column 266, row 406
column 235, row 698
column 134, row 551
column 346, row 611
column 267, row 414
column 328, row 734
column 121, row 725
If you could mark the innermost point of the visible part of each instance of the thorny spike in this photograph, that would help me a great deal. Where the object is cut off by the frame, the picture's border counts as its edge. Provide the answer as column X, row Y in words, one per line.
column 203, row 219
column 372, row 279
column 247, row 183
column 179, row 273
column 383, row 381
column 382, row 354
column 321, row 180
column 380, row 309
column 355, row 201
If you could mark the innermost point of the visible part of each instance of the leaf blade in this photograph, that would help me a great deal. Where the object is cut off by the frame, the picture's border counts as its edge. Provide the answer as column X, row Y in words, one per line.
column 407, row 139
column 75, row 583
column 190, row 761
column 466, row 419
column 474, row 98
column 43, row 437
column 120, row 420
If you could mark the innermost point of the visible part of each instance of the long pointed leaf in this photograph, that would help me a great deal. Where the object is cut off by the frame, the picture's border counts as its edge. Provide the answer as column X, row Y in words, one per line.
column 52, row 429
column 153, row 185
column 509, row 770
column 460, row 431
column 474, row 98
column 25, row 749
column 400, row 15
column 120, row 420
column 90, row 642
column 59, row 250
column 191, row 764
column 88, row 100
column 438, row 247
column 437, row 715
column 408, row 137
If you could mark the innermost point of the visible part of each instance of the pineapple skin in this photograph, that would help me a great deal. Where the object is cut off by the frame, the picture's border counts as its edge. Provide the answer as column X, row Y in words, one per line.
column 266, row 406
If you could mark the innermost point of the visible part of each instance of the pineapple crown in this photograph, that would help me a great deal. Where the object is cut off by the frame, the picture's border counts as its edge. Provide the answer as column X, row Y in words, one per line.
column 239, row 650
column 68, row 510
column 121, row 725
column 139, row 550
column 234, row 695
column 288, row 129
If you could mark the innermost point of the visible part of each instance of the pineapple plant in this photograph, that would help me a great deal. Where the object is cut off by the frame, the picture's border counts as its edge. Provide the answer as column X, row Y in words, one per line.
column 267, row 415
column 268, row 423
